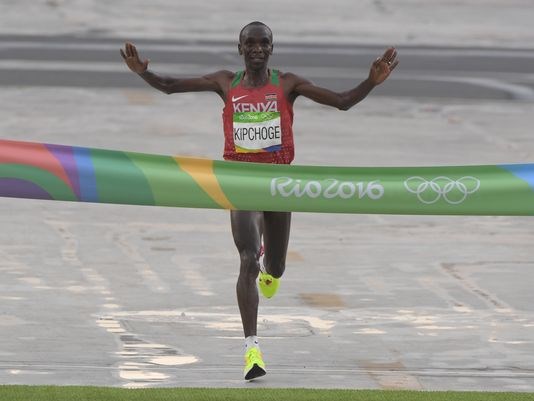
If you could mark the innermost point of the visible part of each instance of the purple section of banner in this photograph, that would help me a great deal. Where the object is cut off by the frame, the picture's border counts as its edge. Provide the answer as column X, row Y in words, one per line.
column 65, row 155
column 15, row 188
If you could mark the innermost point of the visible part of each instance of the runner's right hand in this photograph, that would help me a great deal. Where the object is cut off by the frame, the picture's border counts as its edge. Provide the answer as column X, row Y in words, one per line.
column 132, row 60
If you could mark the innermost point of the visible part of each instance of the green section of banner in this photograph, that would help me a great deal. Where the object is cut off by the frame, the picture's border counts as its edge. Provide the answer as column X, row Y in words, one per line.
column 474, row 190
column 169, row 184
column 118, row 180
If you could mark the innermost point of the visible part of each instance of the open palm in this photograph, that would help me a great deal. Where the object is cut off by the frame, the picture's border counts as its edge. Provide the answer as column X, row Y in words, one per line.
column 132, row 60
column 382, row 66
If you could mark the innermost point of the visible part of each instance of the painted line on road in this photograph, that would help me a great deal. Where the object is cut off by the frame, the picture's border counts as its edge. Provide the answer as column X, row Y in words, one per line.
column 482, row 372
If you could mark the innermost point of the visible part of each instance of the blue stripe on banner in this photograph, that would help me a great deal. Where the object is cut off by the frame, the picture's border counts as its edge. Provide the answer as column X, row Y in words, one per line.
column 523, row 171
column 86, row 171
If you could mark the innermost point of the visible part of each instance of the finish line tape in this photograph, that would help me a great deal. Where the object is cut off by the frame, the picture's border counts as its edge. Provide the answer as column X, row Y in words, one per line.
column 69, row 173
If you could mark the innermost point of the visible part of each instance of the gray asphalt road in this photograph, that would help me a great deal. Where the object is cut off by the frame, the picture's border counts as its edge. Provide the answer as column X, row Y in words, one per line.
column 471, row 73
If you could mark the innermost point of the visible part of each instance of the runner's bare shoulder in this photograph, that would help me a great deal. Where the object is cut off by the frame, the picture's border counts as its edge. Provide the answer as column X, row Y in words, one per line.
column 221, row 81
column 290, row 81
column 221, row 76
column 291, row 77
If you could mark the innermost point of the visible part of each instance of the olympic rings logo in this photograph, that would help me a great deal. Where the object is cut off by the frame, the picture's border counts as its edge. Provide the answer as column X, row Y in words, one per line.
column 453, row 192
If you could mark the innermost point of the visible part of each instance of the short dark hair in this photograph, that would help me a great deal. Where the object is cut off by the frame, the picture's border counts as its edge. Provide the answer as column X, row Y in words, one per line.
column 255, row 23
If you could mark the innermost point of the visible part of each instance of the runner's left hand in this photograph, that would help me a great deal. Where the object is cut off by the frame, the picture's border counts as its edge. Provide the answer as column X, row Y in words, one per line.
column 382, row 66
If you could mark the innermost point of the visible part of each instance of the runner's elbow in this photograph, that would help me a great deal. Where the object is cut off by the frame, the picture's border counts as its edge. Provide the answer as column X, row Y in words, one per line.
column 343, row 103
column 168, row 90
column 169, row 86
column 343, row 106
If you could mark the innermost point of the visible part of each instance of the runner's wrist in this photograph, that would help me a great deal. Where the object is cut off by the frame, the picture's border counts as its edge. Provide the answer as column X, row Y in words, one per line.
column 370, row 82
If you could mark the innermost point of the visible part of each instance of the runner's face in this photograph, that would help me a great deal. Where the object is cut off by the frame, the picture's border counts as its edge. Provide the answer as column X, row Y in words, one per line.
column 256, row 45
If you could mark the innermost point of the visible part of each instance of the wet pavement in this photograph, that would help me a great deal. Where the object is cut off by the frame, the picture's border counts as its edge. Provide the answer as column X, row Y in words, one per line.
column 145, row 296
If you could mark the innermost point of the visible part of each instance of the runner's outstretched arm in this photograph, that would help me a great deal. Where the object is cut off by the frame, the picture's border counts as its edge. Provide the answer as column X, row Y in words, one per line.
column 212, row 82
column 379, row 72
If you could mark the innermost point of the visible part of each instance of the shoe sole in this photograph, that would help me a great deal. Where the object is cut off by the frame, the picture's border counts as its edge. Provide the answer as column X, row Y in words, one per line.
column 255, row 372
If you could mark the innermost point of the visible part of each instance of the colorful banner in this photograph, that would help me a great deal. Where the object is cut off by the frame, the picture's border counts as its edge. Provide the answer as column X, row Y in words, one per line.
column 69, row 173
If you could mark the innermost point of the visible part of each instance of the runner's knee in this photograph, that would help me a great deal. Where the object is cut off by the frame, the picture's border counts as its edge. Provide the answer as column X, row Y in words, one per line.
column 250, row 265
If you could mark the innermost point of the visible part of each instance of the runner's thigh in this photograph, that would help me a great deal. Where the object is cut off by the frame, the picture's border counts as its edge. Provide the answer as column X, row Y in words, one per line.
column 246, row 229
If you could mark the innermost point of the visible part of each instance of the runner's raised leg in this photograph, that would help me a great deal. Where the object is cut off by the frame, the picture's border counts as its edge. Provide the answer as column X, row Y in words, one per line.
column 276, row 238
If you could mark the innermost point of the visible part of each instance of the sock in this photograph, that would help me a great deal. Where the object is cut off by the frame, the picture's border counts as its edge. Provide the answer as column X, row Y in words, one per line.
column 251, row 342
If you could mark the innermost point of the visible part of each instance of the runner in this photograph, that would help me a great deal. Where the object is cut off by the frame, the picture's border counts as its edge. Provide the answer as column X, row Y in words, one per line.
column 257, row 122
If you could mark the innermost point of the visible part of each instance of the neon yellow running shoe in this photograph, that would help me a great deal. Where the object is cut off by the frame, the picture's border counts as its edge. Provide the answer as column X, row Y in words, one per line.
column 254, row 365
column 268, row 284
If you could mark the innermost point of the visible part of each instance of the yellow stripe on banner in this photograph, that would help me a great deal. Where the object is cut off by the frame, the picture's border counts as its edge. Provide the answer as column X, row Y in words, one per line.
column 201, row 170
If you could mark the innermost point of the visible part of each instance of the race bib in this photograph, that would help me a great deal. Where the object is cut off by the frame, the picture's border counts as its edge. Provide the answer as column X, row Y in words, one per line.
column 256, row 132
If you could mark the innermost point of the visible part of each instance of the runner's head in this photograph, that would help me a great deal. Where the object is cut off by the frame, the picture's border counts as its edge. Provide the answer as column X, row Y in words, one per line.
column 255, row 45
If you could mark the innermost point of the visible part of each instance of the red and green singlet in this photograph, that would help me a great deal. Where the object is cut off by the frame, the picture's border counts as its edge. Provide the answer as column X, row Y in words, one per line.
column 258, row 123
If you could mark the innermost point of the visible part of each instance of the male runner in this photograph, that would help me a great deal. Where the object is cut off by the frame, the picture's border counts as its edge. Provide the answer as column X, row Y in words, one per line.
column 257, row 121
